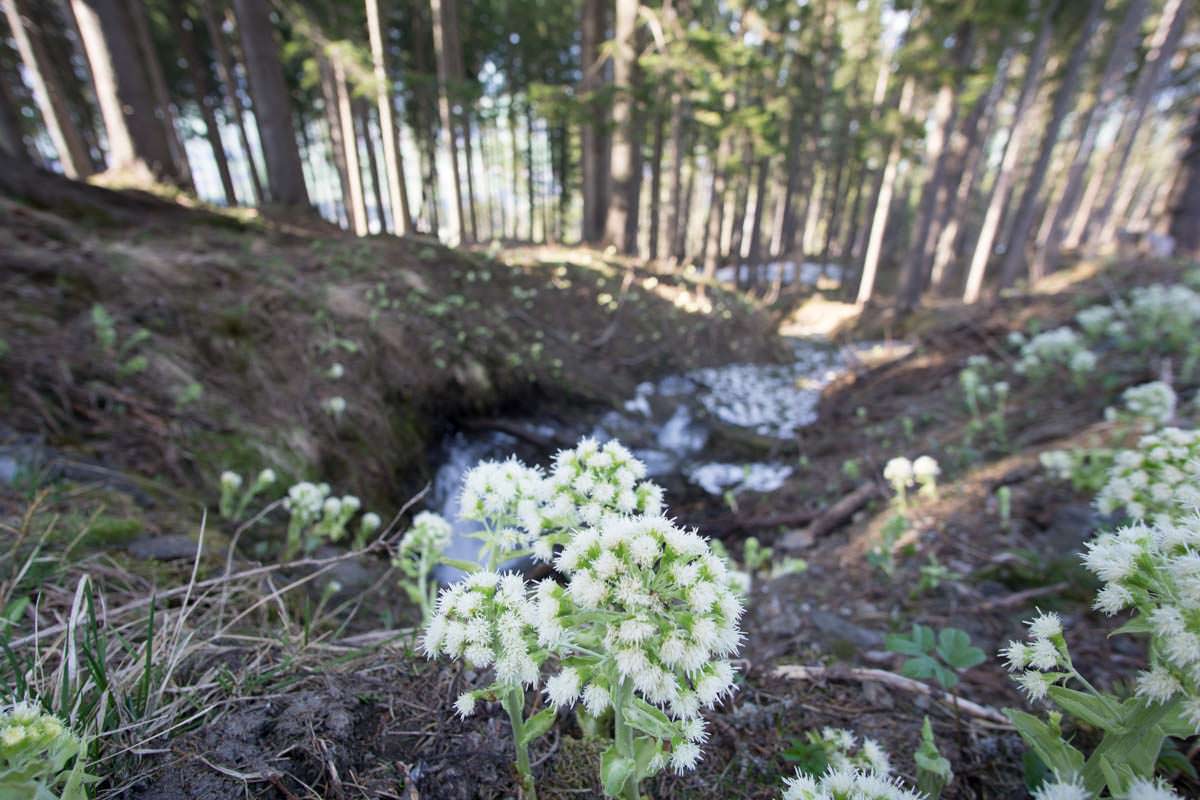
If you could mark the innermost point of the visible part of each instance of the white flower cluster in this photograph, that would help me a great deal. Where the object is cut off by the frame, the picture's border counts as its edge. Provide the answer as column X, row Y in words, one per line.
column 1040, row 660
column 306, row 500
column 1157, row 317
column 35, row 749
column 668, row 615
column 902, row 474
column 847, row 783
column 318, row 517
column 647, row 615
column 1147, row 482
column 1045, row 353
column 1155, row 570
column 843, row 751
column 1151, row 405
column 1059, row 463
column 488, row 620
column 1073, row 789
column 430, row 532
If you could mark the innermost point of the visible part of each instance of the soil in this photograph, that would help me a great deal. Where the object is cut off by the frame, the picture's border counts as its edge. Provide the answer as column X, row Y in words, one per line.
column 258, row 312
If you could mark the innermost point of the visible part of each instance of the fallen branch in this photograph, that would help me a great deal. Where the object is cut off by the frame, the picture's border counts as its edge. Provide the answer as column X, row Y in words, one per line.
column 798, row 672
column 517, row 431
column 831, row 518
column 800, row 516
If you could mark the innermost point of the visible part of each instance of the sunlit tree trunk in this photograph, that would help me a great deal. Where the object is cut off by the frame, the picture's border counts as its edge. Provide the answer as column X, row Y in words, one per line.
column 444, row 16
column 622, row 158
column 198, row 72
column 333, row 123
column 1108, row 86
column 1162, row 48
column 368, row 139
column 393, row 161
column 1014, row 255
column 136, row 138
column 883, row 204
column 1008, row 165
column 47, row 91
column 357, row 205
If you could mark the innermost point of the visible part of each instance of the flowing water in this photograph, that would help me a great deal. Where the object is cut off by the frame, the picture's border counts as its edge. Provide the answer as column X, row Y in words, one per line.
column 669, row 424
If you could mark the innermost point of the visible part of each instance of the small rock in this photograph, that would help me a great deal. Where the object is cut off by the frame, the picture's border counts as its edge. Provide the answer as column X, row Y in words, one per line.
column 835, row 627
column 798, row 539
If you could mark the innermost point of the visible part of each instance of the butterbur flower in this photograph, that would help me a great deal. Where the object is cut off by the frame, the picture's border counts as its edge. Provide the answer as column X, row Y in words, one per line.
column 1062, row 788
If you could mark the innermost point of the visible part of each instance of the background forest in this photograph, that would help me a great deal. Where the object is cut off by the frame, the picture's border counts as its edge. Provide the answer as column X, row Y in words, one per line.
column 673, row 399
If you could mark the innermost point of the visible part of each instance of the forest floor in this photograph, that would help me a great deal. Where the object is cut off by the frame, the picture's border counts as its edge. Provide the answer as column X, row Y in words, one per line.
column 303, row 680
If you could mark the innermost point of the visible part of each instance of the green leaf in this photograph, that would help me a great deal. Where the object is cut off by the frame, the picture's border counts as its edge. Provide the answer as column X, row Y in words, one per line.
column 1098, row 712
column 1059, row 756
column 920, row 667
column 903, row 645
column 466, row 566
column 650, row 720
column 646, row 749
column 615, row 771
column 537, row 725
column 933, row 770
column 955, row 648
column 1137, row 625
column 948, row 678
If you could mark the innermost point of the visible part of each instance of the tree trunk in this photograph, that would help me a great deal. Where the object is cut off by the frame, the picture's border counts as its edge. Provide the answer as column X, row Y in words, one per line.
column 883, row 204
column 593, row 29
column 444, row 12
column 710, row 248
column 979, row 127
column 227, row 78
column 337, row 146
column 1184, row 202
column 272, row 107
column 530, row 183
column 1108, row 86
column 656, row 183
column 621, row 166
column 469, row 152
column 158, row 85
column 1014, row 254
column 393, row 161
column 937, row 153
column 198, row 72
column 689, row 193
column 755, row 257
column 1162, row 48
column 357, row 207
column 136, row 140
column 50, row 94
column 368, row 139
column 1008, row 162
column 741, row 202
column 12, row 137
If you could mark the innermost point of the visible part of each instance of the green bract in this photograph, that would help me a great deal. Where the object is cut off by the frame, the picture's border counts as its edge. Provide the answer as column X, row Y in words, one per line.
column 40, row 758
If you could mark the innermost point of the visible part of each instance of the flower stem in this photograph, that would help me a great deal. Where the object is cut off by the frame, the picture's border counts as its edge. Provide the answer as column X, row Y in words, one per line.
column 623, row 733
column 514, row 703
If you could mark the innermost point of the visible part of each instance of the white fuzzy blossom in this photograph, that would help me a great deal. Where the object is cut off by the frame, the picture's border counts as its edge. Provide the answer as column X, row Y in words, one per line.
column 1038, row 660
column 1162, row 473
column 1151, row 405
column 1069, row 788
column 898, row 472
column 846, row 784
column 1048, row 352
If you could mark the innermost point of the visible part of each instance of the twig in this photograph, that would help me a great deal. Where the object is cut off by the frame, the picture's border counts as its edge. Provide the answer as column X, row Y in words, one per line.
column 798, row 672
column 1020, row 598
column 833, row 517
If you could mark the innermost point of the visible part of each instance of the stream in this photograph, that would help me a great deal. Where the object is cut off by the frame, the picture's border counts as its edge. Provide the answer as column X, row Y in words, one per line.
column 668, row 424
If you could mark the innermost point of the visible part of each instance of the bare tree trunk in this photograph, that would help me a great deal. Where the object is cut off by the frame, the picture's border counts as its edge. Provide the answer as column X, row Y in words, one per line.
column 198, row 71
column 469, row 152
column 123, row 91
column 710, row 248
column 1008, row 162
column 227, row 77
column 621, row 167
column 689, row 193
column 357, row 207
column 393, row 161
column 364, row 119
column 272, row 106
column 444, row 14
column 158, row 85
column 1162, row 48
column 755, row 258
column 656, row 157
column 12, row 138
column 1109, row 85
column 593, row 31
column 337, row 144
column 1014, row 254
column 530, row 182
column 973, row 165
column 47, row 91
column 883, row 204
column 1183, row 203
column 937, row 152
